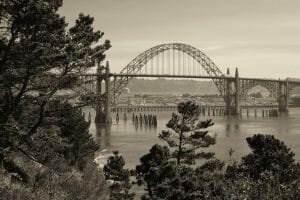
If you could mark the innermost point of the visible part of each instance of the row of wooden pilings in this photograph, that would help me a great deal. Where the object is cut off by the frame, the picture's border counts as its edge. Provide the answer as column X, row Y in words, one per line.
column 209, row 111
column 205, row 111
column 264, row 113
column 144, row 108
column 145, row 119
column 150, row 120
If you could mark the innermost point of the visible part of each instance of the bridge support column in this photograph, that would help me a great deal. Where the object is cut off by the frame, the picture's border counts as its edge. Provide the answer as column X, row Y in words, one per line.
column 232, row 99
column 103, row 104
column 107, row 108
column 283, row 96
column 100, row 116
column 237, row 92
column 228, row 97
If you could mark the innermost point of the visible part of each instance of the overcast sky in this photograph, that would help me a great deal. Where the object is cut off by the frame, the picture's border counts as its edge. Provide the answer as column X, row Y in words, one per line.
column 260, row 37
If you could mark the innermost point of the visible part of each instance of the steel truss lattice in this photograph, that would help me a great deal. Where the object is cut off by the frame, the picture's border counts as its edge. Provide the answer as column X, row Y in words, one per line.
column 136, row 65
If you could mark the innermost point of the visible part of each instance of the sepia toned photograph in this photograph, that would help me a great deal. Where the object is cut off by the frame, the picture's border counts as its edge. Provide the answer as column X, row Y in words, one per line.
column 149, row 100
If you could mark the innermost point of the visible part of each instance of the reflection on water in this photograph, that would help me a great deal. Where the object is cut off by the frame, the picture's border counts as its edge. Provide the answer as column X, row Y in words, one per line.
column 134, row 140
column 103, row 135
column 232, row 126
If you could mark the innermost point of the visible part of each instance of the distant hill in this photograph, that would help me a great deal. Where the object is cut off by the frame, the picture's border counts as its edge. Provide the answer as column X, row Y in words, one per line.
column 163, row 86
column 167, row 86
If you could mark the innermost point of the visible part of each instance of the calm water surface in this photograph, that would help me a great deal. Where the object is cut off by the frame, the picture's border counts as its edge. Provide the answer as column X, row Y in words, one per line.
column 134, row 142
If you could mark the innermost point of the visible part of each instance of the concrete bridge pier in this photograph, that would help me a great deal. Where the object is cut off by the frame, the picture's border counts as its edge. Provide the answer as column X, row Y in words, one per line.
column 103, row 104
column 228, row 98
column 228, row 95
column 237, row 92
column 107, row 109
column 232, row 99
column 283, row 97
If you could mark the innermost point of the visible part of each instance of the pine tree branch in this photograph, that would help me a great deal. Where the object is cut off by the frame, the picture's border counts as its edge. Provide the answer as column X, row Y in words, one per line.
column 7, row 49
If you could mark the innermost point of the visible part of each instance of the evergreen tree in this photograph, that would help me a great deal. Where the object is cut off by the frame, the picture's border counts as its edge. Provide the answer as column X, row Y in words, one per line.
column 268, row 172
column 38, row 57
column 186, row 134
column 77, row 145
column 168, row 175
column 154, row 170
column 270, row 155
column 114, row 171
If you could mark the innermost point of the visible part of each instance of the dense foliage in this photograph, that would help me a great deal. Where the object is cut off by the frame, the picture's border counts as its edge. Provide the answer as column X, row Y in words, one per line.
column 252, row 178
column 272, row 156
column 38, row 57
column 59, row 164
column 76, row 144
column 268, row 172
column 154, row 170
column 118, row 176
column 45, row 153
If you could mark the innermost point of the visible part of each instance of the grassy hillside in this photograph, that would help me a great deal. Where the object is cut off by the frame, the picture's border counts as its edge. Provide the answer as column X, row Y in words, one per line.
column 172, row 86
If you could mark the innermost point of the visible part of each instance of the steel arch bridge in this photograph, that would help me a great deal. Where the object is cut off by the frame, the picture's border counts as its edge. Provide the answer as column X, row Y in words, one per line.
column 178, row 60
column 137, row 64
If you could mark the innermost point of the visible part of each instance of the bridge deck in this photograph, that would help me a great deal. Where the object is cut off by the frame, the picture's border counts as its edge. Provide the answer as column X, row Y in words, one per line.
column 194, row 77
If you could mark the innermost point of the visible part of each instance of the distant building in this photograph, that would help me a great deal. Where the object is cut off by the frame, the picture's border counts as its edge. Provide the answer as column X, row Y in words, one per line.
column 126, row 90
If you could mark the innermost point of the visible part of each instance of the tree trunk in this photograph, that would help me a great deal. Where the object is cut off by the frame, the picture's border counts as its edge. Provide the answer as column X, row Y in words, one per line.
column 180, row 148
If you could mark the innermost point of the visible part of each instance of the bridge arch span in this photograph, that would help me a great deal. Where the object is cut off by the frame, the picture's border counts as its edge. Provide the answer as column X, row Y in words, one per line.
column 137, row 64
column 272, row 87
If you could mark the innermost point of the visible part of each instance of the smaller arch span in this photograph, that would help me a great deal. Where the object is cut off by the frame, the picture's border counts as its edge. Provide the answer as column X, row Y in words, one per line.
column 272, row 87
